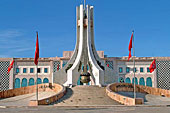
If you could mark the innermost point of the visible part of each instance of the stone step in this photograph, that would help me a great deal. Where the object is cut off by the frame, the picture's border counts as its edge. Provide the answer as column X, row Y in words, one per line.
column 86, row 95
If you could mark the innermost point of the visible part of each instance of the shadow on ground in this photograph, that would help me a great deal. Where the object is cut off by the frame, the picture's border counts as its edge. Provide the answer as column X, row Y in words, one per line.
column 131, row 94
column 69, row 93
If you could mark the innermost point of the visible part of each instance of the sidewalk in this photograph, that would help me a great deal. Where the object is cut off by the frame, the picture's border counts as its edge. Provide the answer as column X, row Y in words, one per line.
column 23, row 100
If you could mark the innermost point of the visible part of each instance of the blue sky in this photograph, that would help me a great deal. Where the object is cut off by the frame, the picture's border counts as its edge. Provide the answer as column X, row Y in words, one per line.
column 55, row 21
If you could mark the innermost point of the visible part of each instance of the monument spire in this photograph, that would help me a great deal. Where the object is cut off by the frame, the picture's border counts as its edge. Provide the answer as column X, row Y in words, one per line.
column 85, row 66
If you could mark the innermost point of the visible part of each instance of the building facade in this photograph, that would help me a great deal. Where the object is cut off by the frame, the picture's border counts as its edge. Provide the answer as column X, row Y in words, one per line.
column 24, row 70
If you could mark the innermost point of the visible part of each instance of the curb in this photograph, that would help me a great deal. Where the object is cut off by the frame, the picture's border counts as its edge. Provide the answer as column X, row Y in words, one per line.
column 98, row 106
column 81, row 106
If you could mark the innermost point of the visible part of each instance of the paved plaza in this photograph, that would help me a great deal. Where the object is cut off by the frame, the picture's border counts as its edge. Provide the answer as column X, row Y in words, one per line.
column 148, row 98
column 23, row 100
column 85, row 99
column 84, row 96
column 53, row 109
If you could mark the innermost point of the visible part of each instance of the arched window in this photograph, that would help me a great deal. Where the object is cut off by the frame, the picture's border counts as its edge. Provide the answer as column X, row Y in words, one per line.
column 45, row 80
column 142, row 81
column 31, row 82
column 17, row 83
column 127, row 80
column 149, row 82
column 39, row 81
column 121, row 80
column 136, row 81
column 24, row 82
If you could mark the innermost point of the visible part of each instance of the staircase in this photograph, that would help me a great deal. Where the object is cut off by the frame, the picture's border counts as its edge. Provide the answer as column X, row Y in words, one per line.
column 85, row 95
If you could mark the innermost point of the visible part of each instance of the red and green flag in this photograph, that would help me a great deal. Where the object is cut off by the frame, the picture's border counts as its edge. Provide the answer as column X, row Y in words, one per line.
column 10, row 66
column 152, row 66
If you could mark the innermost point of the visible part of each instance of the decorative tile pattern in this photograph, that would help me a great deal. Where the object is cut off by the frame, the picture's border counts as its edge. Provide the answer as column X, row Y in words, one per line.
column 4, row 77
column 163, row 74
column 56, row 66
column 109, row 64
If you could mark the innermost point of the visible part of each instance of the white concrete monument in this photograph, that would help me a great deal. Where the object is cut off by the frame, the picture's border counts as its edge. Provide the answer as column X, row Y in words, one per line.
column 95, row 72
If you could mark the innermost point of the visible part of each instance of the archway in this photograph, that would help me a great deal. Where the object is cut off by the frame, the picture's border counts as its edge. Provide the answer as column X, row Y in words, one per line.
column 127, row 80
column 24, row 82
column 31, row 82
column 17, row 83
column 45, row 80
column 39, row 81
column 142, row 81
column 136, row 80
column 149, row 82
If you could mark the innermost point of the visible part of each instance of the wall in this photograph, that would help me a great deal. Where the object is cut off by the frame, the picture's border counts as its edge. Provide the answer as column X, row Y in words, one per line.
column 113, row 88
column 60, row 91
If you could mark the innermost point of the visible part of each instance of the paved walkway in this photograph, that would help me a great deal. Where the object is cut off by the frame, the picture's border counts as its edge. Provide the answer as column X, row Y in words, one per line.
column 83, row 95
column 149, row 99
column 86, row 95
column 23, row 100
column 54, row 109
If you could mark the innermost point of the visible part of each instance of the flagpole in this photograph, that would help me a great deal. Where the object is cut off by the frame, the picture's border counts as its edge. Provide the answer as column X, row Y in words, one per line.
column 134, row 66
column 37, row 70
column 37, row 82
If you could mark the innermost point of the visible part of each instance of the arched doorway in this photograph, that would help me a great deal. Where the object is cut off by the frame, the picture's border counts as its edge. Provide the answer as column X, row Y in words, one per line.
column 39, row 81
column 45, row 80
column 149, row 82
column 17, row 83
column 142, row 81
column 24, row 82
column 31, row 82
column 127, row 80
column 136, row 80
